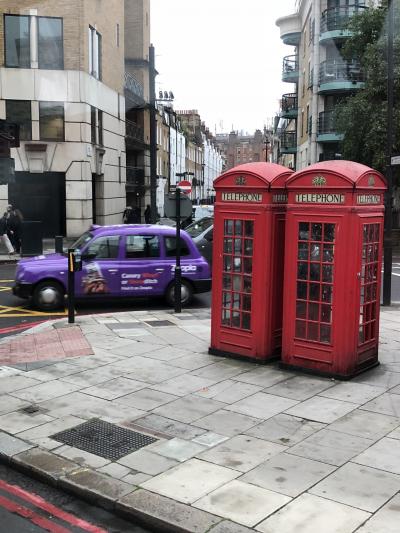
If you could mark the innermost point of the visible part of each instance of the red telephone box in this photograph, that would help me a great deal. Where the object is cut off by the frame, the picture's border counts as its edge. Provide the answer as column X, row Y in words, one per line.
column 248, row 248
column 333, row 248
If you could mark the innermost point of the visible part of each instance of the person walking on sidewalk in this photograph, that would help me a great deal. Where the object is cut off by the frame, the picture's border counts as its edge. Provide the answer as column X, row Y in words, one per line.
column 14, row 227
column 4, row 236
column 147, row 214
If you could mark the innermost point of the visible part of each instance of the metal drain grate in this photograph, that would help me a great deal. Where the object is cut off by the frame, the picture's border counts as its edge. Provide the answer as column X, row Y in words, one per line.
column 104, row 439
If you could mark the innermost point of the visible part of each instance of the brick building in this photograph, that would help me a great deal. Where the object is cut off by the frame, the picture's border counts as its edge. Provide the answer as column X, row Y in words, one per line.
column 239, row 149
column 62, row 77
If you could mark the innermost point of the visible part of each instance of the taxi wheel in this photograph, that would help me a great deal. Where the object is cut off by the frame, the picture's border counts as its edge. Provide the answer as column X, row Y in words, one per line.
column 48, row 296
column 186, row 293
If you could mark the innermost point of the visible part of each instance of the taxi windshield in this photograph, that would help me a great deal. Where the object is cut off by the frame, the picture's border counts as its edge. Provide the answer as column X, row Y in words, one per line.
column 198, row 227
column 83, row 239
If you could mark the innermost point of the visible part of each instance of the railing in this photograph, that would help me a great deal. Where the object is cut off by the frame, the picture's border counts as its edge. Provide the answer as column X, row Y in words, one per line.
column 327, row 122
column 290, row 65
column 134, row 133
column 334, row 71
column 289, row 103
column 135, row 176
column 288, row 140
column 336, row 18
column 132, row 85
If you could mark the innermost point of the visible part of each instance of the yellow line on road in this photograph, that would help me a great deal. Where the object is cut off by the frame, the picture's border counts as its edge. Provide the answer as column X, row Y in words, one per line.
column 6, row 280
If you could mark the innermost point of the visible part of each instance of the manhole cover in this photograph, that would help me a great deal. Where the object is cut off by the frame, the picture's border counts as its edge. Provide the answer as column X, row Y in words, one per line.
column 104, row 439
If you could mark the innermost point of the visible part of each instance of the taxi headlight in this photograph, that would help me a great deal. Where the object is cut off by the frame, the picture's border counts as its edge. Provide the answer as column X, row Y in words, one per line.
column 20, row 275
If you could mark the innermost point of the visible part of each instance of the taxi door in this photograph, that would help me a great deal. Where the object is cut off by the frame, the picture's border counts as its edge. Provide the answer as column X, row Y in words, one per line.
column 142, row 270
column 100, row 272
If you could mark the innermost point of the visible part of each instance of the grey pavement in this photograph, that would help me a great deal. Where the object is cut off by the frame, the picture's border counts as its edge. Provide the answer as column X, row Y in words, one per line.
column 237, row 447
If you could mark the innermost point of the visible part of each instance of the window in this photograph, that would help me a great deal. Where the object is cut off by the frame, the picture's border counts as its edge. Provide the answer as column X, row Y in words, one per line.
column 95, row 53
column 170, row 247
column 104, row 247
column 51, row 121
column 117, row 36
column 50, row 43
column 93, row 124
column 19, row 112
column 142, row 246
column 17, row 41
column 100, row 126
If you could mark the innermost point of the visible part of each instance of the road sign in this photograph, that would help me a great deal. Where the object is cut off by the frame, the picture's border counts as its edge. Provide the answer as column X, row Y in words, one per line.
column 185, row 186
column 170, row 206
column 395, row 160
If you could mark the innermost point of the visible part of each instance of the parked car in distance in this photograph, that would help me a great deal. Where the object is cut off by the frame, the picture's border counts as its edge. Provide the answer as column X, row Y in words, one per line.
column 202, row 233
column 118, row 261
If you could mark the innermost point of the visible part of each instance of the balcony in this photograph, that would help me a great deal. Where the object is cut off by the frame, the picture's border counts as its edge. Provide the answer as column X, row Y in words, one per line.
column 288, row 142
column 290, row 70
column 133, row 91
column 334, row 22
column 134, row 135
column 289, row 106
column 290, row 27
column 327, row 131
column 134, row 178
column 340, row 76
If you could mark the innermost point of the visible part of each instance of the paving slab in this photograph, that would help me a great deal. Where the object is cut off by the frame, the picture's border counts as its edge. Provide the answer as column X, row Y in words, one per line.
column 170, row 427
column 184, row 384
column 10, row 445
column 45, row 391
column 227, row 423
column 358, row 393
column 312, row 514
column 288, row 474
column 365, row 424
column 384, row 455
column 115, row 388
column 227, row 526
column 178, row 484
column 300, row 387
column 285, row 429
column 229, row 391
column 44, row 464
column 17, row 421
column 369, row 488
column 321, row 409
column 147, row 399
column 387, row 404
column 331, row 447
column 386, row 520
column 147, row 462
column 261, row 405
column 241, row 452
column 241, row 502
column 157, row 511
column 263, row 377
column 189, row 409
column 81, row 457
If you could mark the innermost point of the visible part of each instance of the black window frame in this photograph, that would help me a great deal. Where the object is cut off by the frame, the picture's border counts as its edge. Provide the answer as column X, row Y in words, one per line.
column 6, row 64
column 62, row 43
column 49, row 139
column 10, row 117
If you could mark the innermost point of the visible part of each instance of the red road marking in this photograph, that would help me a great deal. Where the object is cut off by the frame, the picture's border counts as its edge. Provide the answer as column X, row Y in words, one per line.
column 50, row 508
column 31, row 516
column 21, row 326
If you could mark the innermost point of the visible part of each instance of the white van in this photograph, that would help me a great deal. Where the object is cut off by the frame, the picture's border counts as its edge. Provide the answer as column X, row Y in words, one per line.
column 202, row 211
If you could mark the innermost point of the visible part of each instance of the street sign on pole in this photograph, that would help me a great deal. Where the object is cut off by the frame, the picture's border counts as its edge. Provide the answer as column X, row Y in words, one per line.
column 170, row 206
column 185, row 186
column 395, row 160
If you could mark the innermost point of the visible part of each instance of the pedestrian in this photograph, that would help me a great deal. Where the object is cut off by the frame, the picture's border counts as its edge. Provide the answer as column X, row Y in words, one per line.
column 147, row 214
column 4, row 236
column 127, row 215
column 14, row 227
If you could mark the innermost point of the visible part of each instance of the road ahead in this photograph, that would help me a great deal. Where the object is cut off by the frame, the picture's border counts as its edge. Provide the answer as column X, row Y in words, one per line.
column 17, row 314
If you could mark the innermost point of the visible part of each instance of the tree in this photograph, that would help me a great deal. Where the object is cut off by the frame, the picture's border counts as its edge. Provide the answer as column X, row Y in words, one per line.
column 361, row 117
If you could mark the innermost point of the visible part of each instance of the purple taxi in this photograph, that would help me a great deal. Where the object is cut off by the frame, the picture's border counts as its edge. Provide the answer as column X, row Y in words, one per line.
column 118, row 261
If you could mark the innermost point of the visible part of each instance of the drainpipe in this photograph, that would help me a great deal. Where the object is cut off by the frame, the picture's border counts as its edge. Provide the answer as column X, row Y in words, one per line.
column 314, row 102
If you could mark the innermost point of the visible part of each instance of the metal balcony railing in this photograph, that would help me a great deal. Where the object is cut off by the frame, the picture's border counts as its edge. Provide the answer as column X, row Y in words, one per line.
column 290, row 66
column 327, row 122
column 134, row 133
column 133, row 86
column 135, row 176
column 289, row 103
column 336, row 18
column 288, row 140
column 340, row 71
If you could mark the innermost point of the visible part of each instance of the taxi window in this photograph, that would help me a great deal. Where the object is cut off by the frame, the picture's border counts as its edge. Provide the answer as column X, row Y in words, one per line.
column 142, row 246
column 105, row 247
column 170, row 247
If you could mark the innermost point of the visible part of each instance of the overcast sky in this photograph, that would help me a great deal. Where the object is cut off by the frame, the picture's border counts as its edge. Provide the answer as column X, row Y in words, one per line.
column 222, row 57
